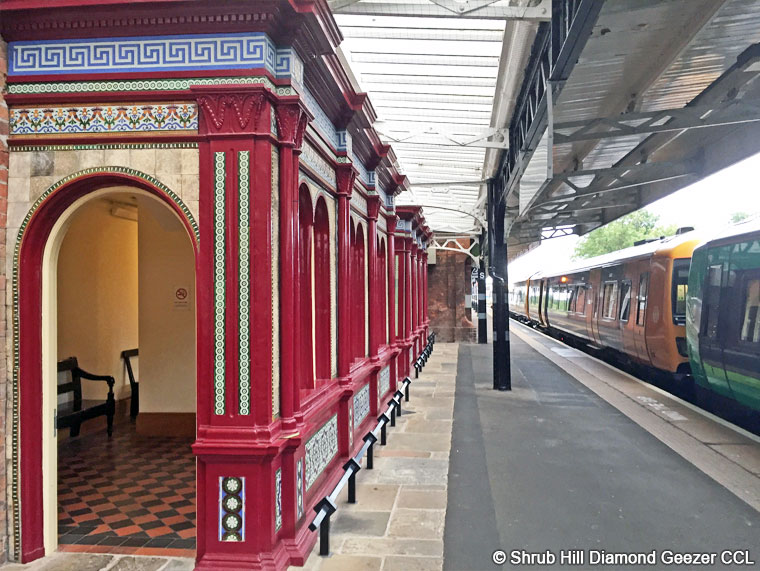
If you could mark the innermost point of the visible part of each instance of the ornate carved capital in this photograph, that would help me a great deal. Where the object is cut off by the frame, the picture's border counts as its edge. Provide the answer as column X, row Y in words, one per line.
column 232, row 111
column 292, row 117
column 391, row 220
column 345, row 175
column 373, row 206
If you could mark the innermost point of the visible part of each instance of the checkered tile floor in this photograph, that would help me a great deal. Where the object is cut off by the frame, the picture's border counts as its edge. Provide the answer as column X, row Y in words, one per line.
column 132, row 491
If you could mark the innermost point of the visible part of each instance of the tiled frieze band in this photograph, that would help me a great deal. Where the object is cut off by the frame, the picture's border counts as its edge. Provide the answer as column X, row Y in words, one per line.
column 106, row 146
column 311, row 157
column 321, row 448
column 177, row 84
column 231, row 509
column 244, row 291
column 361, row 404
column 383, row 382
column 151, row 53
column 278, row 499
column 219, row 282
column 275, row 274
column 103, row 119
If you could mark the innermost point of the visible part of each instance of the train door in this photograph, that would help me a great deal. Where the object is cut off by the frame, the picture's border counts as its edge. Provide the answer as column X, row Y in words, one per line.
column 625, row 324
column 639, row 309
column 714, row 323
column 592, row 301
column 543, row 303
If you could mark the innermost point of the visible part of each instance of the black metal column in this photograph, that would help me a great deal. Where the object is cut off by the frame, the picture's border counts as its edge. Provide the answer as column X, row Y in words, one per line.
column 502, row 374
column 482, row 317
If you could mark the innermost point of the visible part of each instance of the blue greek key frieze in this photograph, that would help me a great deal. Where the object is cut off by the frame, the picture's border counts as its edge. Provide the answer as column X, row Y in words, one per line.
column 154, row 53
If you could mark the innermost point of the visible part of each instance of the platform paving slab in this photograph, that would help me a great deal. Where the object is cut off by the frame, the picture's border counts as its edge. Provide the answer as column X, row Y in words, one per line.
column 572, row 459
column 103, row 562
column 405, row 494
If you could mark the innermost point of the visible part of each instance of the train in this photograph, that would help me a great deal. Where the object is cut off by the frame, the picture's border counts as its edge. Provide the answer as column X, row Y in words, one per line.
column 682, row 307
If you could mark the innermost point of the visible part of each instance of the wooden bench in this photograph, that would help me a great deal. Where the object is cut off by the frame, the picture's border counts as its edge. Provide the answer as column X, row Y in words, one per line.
column 71, row 414
column 134, row 402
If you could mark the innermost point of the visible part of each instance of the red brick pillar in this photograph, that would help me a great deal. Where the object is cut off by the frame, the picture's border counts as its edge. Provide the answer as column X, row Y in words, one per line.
column 346, row 175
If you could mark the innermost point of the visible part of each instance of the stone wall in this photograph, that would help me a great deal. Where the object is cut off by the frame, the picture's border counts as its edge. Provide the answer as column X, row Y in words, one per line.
column 448, row 282
column 4, row 130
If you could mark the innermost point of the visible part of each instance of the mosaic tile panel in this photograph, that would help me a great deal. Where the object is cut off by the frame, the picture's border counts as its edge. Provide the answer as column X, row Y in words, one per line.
column 103, row 119
column 106, row 146
column 275, row 274
column 321, row 448
column 344, row 142
column 244, row 291
column 321, row 121
column 361, row 404
column 383, row 383
column 278, row 499
column 231, row 509
column 350, row 426
column 313, row 159
column 299, row 488
column 153, row 53
column 219, row 282
column 363, row 172
column 359, row 203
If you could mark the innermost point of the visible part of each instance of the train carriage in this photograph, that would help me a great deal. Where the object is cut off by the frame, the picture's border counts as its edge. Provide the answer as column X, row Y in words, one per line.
column 630, row 302
column 723, row 303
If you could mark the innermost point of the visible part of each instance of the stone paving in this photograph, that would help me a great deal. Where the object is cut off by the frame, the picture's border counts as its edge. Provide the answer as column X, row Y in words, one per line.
column 397, row 523
column 103, row 562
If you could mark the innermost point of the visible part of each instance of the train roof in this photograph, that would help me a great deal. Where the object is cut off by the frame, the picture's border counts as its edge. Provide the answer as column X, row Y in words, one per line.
column 733, row 232
column 664, row 245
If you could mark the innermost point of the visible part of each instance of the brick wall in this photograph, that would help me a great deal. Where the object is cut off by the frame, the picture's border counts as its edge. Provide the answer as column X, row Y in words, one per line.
column 4, row 129
column 448, row 282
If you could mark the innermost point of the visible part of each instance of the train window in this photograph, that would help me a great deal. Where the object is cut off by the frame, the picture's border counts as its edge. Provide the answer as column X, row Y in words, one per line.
column 751, row 321
column 610, row 300
column 679, row 289
column 625, row 304
column 571, row 298
column 711, row 301
column 580, row 301
column 642, row 298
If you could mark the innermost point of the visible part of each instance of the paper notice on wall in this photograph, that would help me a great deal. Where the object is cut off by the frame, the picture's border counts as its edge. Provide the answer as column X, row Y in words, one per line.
column 181, row 298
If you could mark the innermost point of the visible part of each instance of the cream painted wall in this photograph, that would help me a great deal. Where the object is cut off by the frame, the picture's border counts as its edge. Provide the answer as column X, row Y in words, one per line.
column 97, row 294
column 167, row 331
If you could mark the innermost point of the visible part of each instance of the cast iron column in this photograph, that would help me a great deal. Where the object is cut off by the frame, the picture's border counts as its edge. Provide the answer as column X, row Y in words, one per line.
column 373, row 210
column 346, row 175
column 502, row 374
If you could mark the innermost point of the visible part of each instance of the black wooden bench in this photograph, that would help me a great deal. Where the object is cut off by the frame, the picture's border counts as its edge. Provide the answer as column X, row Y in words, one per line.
column 134, row 402
column 71, row 414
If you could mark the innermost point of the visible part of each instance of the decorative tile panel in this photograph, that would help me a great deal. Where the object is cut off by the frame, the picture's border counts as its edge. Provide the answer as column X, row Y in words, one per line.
column 244, row 292
column 350, row 426
column 146, row 54
column 363, row 172
column 382, row 224
column 321, row 121
column 178, row 84
column 361, row 404
column 231, row 509
column 311, row 157
column 219, row 282
column 299, row 488
column 275, row 271
column 321, row 448
column 104, row 119
column 383, row 382
column 390, row 202
column 278, row 499
column 359, row 203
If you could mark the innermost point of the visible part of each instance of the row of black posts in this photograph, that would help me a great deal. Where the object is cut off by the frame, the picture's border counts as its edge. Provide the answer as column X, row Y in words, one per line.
column 327, row 506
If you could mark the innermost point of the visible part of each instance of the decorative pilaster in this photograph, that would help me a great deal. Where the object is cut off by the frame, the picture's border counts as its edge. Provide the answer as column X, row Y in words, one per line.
column 345, row 176
column 415, row 288
column 292, row 117
column 391, row 220
column 373, row 209
column 235, row 158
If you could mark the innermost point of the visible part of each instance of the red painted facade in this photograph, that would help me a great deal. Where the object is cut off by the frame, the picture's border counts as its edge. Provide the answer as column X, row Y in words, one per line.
column 242, row 129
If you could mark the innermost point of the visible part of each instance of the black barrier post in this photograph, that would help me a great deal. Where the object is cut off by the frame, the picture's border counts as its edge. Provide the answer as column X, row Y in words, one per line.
column 398, row 396
column 406, row 391
column 353, row 466
column 325, row 508
column 371, row 438
column 384, row 419
column 393, row 412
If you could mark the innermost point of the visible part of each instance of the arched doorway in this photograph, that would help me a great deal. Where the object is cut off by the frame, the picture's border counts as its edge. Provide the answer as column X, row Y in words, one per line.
column 37, row 328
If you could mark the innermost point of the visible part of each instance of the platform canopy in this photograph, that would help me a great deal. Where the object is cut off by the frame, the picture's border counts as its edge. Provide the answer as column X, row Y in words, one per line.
column 607, row 107
column 436, row 72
